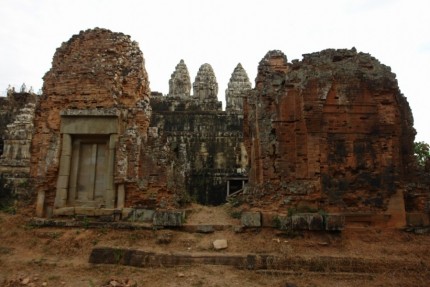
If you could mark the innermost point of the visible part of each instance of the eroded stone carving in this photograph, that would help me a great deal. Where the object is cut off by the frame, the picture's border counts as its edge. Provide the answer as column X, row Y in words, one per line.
column 238, row 86
column 180, row 83
column 16, row 131
column 205, row 86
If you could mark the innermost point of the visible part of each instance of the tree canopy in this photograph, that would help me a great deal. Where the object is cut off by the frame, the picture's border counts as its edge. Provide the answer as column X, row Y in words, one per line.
column 422, row 152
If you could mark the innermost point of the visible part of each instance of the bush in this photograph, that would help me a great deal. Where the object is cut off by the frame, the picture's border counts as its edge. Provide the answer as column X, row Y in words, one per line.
column 422, row 153
column 6, row 196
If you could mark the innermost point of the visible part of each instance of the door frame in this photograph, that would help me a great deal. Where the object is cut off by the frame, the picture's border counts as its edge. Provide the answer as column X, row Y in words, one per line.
column 90, row 124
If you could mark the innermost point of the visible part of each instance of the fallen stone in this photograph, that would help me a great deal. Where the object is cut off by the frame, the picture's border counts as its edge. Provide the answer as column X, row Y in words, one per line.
column 164, row 238
column 145, row 215
column 251, row 219
column 238, row 229
column 205, row 229
column 334, row 222
column 307, row 221
column 220, row 244
column 283, row 222
column 168, row 218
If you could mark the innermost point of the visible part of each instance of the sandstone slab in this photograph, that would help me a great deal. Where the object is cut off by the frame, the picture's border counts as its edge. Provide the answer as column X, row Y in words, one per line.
column 220, row 244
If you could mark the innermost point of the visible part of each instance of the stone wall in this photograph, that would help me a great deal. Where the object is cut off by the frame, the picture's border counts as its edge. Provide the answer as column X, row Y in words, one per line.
column 96, row 77
column 16, row 131
column 331, row 131
column 198, row 146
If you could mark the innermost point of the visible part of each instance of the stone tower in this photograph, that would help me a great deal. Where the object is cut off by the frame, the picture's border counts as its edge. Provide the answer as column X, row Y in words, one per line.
column 238, row 85
column 90, row 126
column 180, row 83
column 205, row 86
column 332, row 128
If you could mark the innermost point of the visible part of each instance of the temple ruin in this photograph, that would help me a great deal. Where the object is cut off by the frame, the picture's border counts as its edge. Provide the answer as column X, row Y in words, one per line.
column 90, row 125
column 331, row 132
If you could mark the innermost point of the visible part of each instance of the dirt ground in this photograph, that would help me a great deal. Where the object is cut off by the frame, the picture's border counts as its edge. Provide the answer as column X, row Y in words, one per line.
column 59, row 256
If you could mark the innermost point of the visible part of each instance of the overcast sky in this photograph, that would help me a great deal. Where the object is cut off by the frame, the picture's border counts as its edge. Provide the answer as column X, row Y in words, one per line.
column 224, row 33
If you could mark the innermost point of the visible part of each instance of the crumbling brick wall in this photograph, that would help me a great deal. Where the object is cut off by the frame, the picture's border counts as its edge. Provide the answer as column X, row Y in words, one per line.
column 332, row 130
column 101, row 72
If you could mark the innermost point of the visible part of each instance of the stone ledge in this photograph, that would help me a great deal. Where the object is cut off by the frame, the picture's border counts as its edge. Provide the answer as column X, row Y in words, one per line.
column 168, row 218
column 43, row 222
column 309, row 221
column 323, row 264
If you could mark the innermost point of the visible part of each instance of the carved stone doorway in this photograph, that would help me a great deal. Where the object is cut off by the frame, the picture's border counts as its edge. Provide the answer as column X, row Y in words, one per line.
column 88, row 176
column 85, row 178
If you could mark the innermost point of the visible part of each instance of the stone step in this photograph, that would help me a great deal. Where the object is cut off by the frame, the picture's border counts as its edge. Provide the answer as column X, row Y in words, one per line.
column 142, row 258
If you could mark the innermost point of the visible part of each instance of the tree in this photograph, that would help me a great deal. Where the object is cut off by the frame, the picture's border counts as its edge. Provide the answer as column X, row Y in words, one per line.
column 422, row 153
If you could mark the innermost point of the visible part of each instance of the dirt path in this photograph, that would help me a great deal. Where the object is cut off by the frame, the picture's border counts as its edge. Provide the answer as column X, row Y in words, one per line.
column 59, row 256
column 215, row 215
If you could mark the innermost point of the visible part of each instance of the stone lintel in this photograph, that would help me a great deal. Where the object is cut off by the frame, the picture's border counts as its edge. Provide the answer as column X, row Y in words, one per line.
column 90, row 113
column 89, row 124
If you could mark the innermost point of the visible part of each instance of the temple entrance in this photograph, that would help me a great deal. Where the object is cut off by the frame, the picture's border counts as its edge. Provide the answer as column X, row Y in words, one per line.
column 85, row 178
column 89, row 168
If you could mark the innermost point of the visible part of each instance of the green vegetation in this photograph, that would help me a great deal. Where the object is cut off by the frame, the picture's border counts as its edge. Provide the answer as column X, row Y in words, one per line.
column 422, row 152
column 6, row 196
column 234, row 213
column 276, row 222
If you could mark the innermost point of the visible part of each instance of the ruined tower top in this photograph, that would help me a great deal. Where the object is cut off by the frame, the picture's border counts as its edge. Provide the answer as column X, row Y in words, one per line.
column 239, row 83
column 98, row 62
column 205, row 86
column 275, row 59
column 274, row 62
column 180, row 83
column 95, row 102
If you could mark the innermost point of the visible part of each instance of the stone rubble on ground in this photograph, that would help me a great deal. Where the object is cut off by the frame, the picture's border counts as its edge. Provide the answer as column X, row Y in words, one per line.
column 220, row 244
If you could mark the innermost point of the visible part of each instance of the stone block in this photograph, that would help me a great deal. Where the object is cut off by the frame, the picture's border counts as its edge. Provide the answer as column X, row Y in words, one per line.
column 121, row 196
column 67, row 211
column 307, row 221
column 334, row 222
column 127, row 213
column 205, row 229
column 83, row 210
column 144, row 215
column 251, row 219
column 104, row 211
column 269, row 219
column 220, row 244
column 417, row 219
column 40, row 204
column 66, row 149
column 168, row 218
column 64, row 165
column 283, row 222
column 62, row 182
